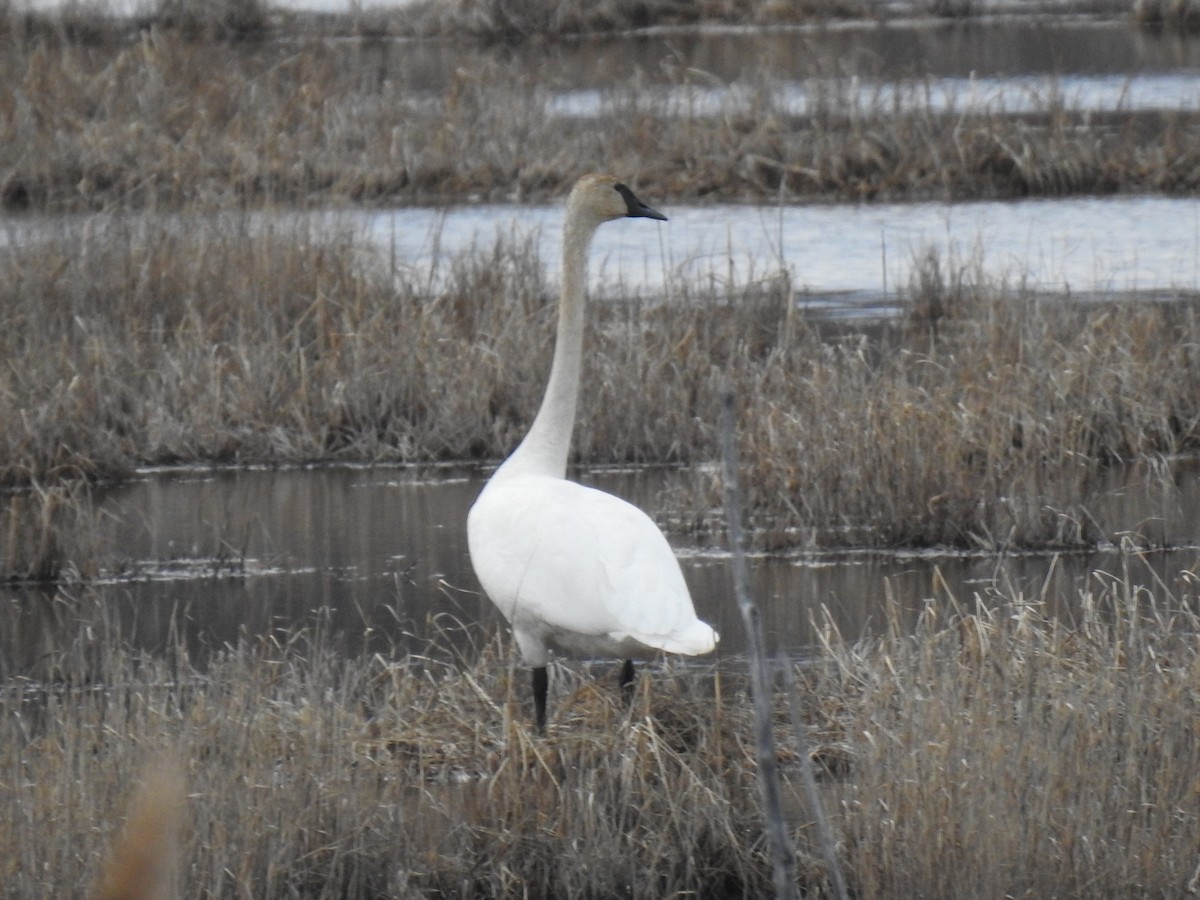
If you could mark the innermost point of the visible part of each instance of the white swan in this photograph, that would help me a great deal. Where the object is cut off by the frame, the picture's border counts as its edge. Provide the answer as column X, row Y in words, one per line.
column 571, row 567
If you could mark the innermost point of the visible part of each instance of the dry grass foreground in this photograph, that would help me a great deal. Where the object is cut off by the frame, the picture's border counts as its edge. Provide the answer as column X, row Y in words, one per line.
column 162, row 121
column 983, row 419
column 994, row 752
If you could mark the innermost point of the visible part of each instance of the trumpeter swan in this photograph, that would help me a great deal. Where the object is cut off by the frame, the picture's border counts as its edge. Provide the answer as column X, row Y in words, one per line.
column 572, row 568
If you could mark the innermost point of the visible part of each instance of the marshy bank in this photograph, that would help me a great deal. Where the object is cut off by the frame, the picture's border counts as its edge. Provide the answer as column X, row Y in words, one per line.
column 881, row 112
column 214, row 341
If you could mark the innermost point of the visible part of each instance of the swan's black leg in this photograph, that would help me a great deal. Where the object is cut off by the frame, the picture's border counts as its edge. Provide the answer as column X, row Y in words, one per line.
column 627, row 678
column 541, row 681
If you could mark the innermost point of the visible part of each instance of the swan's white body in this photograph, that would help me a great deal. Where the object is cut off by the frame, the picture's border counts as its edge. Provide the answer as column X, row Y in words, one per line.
column 572, row 568
column 580, row 571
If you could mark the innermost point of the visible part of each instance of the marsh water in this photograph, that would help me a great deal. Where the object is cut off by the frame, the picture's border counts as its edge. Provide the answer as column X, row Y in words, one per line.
column 843, row 259
column 378, row 556
column 379, row 553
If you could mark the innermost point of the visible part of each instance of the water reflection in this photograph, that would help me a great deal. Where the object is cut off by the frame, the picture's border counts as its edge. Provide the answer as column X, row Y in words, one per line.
column 379, row 555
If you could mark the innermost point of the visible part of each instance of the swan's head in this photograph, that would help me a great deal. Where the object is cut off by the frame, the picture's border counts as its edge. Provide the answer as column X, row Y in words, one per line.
column 601, row 198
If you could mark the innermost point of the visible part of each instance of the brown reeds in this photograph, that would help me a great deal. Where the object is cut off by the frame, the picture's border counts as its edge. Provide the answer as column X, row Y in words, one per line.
column 1170, row 15
column 159, row 120
column 49, row 534
column 989, row 427
column 1008, row 752
column 514, row 20
column 783, row 862
column 994, row 750
column 311, row 774
column 486, row 22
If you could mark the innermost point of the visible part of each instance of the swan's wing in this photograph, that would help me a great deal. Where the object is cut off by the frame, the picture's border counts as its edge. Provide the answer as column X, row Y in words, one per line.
column 582, row 562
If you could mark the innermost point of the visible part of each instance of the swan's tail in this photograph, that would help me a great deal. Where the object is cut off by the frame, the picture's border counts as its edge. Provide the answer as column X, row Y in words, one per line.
column 145, row 855
column 698, row 638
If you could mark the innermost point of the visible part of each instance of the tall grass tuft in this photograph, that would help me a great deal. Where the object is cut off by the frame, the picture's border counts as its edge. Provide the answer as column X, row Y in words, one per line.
column 1000, row 751
column 49, row 534
column 209, row 20
column 1172, row 15
column 516, row 20
column 314, row 774
column 986, row 420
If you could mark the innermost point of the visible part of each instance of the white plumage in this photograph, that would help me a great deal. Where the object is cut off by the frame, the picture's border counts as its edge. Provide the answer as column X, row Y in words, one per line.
column 572, row 568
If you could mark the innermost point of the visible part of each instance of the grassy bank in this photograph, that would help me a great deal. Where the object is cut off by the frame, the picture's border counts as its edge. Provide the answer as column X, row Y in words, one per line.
column 985, row 418
column 988, row 426
column 163, row 121
column 993, row 752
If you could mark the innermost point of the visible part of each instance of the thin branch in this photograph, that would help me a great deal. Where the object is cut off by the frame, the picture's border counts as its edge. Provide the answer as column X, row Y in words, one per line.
column 783, row 859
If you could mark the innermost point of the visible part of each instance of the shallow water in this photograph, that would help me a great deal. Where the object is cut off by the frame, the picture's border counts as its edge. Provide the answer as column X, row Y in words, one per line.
column 379, row 555
column 1100, row 93
column 850, row 257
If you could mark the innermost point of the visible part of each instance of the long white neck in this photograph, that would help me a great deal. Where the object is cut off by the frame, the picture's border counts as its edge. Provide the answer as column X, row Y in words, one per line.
column 545, row 449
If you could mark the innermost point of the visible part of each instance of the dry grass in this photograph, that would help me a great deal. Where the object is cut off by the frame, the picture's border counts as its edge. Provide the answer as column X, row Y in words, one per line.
column 147, row 339
column 1001, row 752
column 164, row 121
column 491, row 22
column 151, row 341
column 145, row 856
column 993, row 752
column 482, row 21
column 988, row 427
column 315, row 775
column 50, row 534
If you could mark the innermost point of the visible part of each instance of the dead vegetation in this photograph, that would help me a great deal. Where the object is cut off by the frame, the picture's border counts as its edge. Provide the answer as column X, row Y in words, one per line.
column 993, row 750
column 978, row 732
column 160, row 120
column 987, row 427
column 518, row 20
column 1180, row 16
